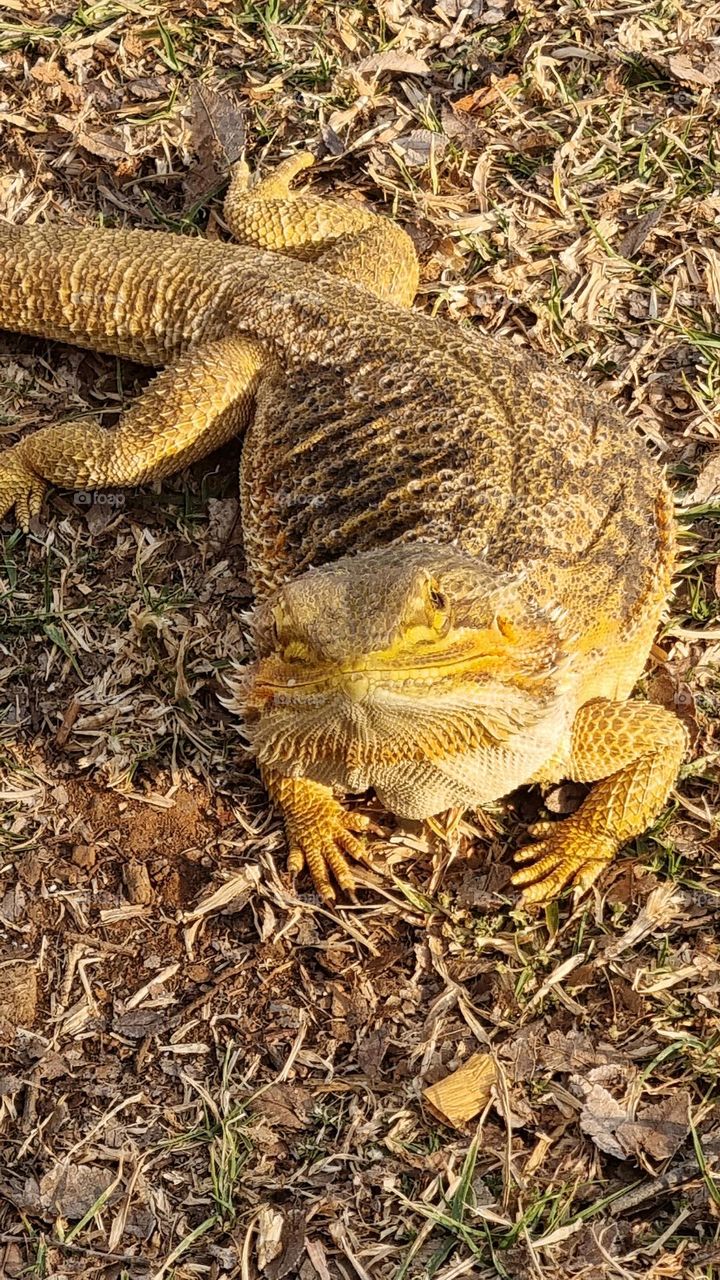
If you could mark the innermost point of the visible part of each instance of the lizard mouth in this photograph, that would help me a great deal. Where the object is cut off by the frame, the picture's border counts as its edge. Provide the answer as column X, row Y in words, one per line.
column 358, row 682
column 369, row 670
column 345, row 725
column 479, row 682
column 475, row 658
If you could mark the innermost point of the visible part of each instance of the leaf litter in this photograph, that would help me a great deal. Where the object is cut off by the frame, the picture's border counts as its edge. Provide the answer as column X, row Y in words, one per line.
column 204, row 1072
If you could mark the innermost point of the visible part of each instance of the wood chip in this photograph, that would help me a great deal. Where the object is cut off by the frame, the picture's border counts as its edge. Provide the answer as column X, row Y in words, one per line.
column 137, row 883
column 18, row 993
column 395, row 62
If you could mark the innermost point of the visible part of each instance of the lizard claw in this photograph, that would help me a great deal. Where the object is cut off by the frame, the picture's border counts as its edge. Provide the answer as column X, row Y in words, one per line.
column 569, row 854
column 323, row 840
column 20, row 487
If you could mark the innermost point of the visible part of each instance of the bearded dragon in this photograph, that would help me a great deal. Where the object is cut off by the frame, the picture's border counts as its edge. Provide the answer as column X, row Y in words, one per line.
column 459, row 553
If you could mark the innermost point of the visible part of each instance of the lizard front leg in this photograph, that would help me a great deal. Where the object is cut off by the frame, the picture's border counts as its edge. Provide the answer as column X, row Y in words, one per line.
column 636, row 749
column 321, row 834
column 188, row 410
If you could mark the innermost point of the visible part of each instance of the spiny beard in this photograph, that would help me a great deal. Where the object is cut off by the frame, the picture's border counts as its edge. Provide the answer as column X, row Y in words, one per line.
column 387, row 728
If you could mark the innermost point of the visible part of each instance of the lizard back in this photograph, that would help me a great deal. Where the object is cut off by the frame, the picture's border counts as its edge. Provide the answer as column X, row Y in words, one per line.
column 415, row 430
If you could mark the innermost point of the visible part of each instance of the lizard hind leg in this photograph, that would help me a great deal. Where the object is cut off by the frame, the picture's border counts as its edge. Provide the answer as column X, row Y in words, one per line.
column 636, row 749
column 189, row 409
column 345, row 240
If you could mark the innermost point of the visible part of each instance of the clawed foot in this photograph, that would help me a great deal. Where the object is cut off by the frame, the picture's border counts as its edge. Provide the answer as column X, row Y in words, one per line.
column 567, row 854
column 20, row 488
column 276, row 184
column 321, row 834
column 322, row 841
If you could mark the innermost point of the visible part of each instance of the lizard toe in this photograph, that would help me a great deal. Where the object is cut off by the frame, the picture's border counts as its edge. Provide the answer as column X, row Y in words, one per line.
column 20, row 487
column 586, row 875
column 538, row 831
column 565, row 857
column 318, row 861
column 295, row 862
column 337, row 862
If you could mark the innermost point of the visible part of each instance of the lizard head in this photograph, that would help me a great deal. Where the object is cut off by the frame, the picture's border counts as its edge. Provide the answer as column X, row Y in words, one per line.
column 406, row 653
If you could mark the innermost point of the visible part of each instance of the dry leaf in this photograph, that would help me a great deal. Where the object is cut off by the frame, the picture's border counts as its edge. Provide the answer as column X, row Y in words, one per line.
column 13, row 1262
column 565, row 798
column 666, row 688
column 222, row 518
column 406, row 24
column 659, row 1130
column 707, row 485
column 393, row 61
column 637, row 234
column 217, row 131
column 484, row 97
column 105, row 146
column 602, row 1114
column 287, row 1106
column 147, row 88
column 72, row 1190
column 698, row 67
column 655, row 1131
column 420, row 146
column 637, row 35
column 573, row 1051
column 136, row 1024
column 292, row 1245
column 460, row 8
column 462, row 1095
column 215, row 124
column 662, row 907
column 50, row 73
column 346, row 32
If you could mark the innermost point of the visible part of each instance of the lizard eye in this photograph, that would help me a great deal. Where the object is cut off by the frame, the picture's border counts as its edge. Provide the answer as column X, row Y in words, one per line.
column 437, row 608
column 506, row 627
column 279, row 626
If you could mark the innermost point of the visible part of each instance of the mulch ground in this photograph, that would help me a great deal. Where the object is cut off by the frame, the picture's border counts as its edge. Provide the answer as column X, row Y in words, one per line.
column 203, row 1072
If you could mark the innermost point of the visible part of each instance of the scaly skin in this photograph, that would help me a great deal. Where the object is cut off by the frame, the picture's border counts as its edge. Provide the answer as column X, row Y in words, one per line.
column 459, row 554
